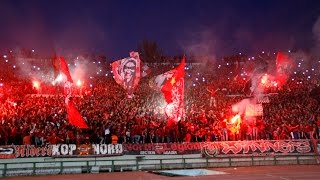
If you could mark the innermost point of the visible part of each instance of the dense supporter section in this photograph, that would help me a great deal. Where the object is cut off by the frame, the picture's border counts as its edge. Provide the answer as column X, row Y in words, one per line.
column 33, row 112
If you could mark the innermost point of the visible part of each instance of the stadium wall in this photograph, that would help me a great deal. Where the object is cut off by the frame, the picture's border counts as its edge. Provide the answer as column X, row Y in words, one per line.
column 146, row 157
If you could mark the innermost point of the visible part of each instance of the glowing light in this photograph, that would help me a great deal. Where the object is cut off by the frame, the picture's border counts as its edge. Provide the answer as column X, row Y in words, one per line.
column 99, row 62
column 59, row 78
column 309, row 77
column 193, row 84
column 262, row 52
column 32, row 50
column 6, row 60
column 14, row 66
column 289, row 50
column 90, row 85
column 264, row 79
column 38, row 68
column 34, row 66
column 36, row 84
column 106, row 74
column 235, row 118
column 4, row 56
column 79, row 83
column 1, row 84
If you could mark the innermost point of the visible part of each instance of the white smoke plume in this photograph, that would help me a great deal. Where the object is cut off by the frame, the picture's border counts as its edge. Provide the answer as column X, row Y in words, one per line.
column 201, row 45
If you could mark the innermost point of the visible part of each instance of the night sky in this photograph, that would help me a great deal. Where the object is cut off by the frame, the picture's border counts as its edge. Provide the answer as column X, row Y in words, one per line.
column 204, row 27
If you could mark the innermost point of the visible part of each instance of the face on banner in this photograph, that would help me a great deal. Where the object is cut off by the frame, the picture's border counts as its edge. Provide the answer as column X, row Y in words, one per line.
column 128, row 71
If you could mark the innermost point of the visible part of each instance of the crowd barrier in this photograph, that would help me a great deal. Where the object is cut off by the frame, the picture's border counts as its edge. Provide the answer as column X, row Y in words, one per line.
column 63, row 158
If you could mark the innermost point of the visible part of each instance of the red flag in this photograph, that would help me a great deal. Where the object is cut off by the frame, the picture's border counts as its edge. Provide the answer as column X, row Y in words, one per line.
column 74, row 116
column 127, row 72
column 173, row 91
column 284, row 67
column 56, row 65
column 64, row 68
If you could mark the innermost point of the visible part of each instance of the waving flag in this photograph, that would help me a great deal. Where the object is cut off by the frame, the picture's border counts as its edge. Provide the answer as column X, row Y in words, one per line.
column 74, row 117
column 56, row 66
column 173, row 91
column 127, row 72
column 60, row 65
column 284, row 67
column 158, row 81
column 64, row 69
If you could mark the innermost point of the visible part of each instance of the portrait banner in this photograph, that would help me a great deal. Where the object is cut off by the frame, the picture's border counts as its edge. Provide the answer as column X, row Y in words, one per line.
column 126, row 72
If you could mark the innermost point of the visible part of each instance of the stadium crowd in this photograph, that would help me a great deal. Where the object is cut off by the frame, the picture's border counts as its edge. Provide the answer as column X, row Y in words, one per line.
column 31, row 116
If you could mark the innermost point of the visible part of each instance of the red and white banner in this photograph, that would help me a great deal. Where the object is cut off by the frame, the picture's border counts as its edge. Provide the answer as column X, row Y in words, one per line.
column 173, row 91
column 127, row 72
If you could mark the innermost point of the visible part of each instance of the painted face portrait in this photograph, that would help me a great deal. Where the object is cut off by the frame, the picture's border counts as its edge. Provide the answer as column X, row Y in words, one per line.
column 128, row 71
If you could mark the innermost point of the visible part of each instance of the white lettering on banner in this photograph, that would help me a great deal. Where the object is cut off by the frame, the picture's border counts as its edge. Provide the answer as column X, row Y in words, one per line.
column 110, row 149
column 107, row 149
column 55, row 149
column 147, row 152
column 170, row 152
column 72, row 147
column 63, row 149
column 119, row 149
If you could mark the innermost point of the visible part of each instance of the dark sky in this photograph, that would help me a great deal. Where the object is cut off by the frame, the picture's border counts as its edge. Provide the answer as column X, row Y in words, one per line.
column 207, row 27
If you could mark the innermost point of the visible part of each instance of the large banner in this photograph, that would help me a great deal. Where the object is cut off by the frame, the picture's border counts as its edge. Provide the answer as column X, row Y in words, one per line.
column 207, row 149
column 162, row 149
column 256, row 148
column 61, row 150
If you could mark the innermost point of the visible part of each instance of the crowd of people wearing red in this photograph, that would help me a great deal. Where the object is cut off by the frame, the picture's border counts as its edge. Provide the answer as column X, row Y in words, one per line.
column 29, row 118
